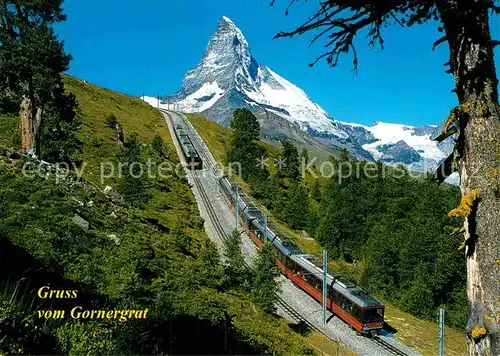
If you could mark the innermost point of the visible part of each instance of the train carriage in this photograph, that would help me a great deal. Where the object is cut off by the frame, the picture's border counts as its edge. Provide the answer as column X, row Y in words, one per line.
column 191, row 156
column 350, row 303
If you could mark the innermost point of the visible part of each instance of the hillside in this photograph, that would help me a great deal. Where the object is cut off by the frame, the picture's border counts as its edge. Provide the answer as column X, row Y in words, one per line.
column 416, row 332
column 81, row 234
column 228, row 77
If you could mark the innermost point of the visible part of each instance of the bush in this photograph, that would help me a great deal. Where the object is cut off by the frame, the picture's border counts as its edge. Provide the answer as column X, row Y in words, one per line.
column 158, row 145
column 111, row 121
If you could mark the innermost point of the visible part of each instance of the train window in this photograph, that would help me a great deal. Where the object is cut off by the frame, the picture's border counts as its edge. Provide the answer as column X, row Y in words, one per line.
column 373, row 315
column 333, row 295
column 357, row 313
column 343, row 302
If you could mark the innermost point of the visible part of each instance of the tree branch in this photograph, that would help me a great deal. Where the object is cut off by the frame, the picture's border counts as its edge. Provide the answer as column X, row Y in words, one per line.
column 341, row 30
column 438, row 42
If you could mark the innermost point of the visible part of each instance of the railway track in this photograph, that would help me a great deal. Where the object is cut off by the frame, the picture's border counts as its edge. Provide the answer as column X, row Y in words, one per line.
column 296, row 315
column 223, row 237
column 388, row 347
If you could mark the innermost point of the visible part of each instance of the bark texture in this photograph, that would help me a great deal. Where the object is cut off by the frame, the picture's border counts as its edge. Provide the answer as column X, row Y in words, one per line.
column 478, row 144
column 30, row 122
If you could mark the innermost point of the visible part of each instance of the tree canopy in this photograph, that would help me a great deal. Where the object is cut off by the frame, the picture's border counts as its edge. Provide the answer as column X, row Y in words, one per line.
column 32, row 59
column 474, row 123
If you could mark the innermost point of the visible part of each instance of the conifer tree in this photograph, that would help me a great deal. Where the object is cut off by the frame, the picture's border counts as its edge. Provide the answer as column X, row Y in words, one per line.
column 243, row 144
column 465, row 27
column 133, row 184
column 234, row 266
column 265, row 285
column 31, row 62
column 290, row 161
column 209, row 267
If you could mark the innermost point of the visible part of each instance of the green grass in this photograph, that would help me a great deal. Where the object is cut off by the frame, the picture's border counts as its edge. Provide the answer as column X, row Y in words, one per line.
column 36, row 215
column 412, row 331
column 100, row 146
column 9, row 130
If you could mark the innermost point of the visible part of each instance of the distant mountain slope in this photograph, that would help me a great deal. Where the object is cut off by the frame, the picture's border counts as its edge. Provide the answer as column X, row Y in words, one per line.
column 229, row 74
column 229, row 77
column 412, row 146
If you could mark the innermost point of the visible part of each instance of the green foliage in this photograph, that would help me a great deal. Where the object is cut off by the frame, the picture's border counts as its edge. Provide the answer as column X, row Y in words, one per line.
column 19, row 336
column 234, row 266
column 210, row 271
column 293, row 207
column 60, row 126
column 111, row 121
column 159, row 145
column 31, row 62
column 182, row 241
column 87, row 337
column 134, row 181
column 290, row 160
column 265, row 272
column 244, row 149
column 245, row 124
column 31, row 56
column 315, row 192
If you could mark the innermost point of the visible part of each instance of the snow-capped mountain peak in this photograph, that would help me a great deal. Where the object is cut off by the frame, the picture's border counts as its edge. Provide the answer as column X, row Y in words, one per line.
column 228, row 77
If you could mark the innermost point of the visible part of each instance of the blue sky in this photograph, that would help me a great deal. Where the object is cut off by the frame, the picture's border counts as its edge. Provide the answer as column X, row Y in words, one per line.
column 148, row 45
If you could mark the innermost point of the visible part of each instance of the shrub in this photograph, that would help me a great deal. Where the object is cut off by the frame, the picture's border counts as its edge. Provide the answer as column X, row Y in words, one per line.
column 111, row 121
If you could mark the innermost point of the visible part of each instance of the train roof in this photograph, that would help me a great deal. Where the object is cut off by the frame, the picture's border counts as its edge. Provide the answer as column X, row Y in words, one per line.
column 348, row 289
column 189, row 149
column 282, row 242
column 289, row 248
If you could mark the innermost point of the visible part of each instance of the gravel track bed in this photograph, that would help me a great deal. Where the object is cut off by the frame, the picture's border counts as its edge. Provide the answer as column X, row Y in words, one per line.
column 301, row 302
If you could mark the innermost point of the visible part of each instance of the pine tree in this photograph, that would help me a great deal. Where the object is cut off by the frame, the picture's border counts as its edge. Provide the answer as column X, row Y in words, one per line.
column 243, row 143
column 31, row 62
column 296, row 206
column 265, row 286
column 58, row 134
column 234, row 266
column 290, row 160
column 210, row 271
column 133, row 184
column 315, row 192
column 466, row 29
column 159, row 145
column 245, row 124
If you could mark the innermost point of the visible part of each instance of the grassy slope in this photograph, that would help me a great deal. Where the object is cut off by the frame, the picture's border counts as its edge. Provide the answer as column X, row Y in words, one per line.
column 217, row 139
column 412, row 331
column 95, row 103
column 101, row 264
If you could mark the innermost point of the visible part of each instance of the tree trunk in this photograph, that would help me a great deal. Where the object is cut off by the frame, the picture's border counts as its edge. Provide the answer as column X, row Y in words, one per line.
column 30, row 121
column 478, row 144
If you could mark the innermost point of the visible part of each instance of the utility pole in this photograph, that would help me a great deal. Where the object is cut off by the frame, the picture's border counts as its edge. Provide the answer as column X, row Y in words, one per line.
column 325, row 268
column 158, row 105
column 265, row 227
column 441, row 331
column 236, row 203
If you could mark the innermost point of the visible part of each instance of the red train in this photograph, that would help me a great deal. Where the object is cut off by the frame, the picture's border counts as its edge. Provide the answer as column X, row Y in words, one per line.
column 350, row 303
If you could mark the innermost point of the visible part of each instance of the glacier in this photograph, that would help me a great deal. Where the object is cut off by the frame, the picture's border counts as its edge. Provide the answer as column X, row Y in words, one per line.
column 229, row 77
